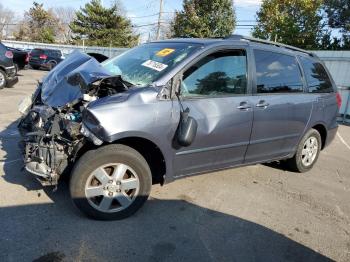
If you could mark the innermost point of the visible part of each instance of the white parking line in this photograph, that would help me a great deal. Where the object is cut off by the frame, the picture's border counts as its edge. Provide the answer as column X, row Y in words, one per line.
column 343, row 141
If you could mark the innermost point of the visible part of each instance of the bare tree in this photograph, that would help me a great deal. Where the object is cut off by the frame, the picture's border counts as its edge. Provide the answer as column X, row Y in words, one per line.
column 65, row 16
column 6, row 18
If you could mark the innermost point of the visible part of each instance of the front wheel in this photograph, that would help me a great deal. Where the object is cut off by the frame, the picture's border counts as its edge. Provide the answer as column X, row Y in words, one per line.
column 111, row 182
column 307, row 152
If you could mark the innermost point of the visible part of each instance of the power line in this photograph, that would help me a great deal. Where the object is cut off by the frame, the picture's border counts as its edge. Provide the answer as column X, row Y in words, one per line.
column 159, row 18
column 133, row 17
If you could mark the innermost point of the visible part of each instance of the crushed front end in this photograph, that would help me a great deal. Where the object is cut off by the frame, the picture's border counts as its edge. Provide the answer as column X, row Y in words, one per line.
column 52, row 126
column 51, row 138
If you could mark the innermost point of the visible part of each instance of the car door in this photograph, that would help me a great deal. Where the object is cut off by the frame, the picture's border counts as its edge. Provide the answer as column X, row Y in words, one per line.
column 215, row 89
column 281, row 108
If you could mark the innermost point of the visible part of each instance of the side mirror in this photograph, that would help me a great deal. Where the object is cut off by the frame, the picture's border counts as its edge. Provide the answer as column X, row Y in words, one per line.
column 187, row 129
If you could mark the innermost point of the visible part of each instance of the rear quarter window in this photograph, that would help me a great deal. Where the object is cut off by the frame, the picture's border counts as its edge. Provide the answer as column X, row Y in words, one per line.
column 316, row 76
column 37, row 52
column 54, row 53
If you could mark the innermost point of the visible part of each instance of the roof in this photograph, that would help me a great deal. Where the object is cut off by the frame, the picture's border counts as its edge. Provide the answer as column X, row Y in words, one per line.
column 203, row 41
column 238, row 39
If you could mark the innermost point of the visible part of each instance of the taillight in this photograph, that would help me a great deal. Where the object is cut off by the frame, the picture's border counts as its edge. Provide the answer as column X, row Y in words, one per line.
column 338, row 100
column 9, row 54
column 27, row 58
column 43, row 57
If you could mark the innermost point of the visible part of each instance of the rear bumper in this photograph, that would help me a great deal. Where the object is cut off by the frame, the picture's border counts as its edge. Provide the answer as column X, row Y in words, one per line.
column 11, row 78
column 32, row 63
column 39, row 64
column 10, row 71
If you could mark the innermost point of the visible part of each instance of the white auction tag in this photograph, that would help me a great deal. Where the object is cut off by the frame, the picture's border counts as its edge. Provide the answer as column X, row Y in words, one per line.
column 155, row 65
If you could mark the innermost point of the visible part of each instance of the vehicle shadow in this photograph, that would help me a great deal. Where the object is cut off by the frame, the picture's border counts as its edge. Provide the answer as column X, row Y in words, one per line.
column 163, row 230
column 281, row 165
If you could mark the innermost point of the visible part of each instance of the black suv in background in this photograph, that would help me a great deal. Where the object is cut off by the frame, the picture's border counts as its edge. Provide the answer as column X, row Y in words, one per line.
column 7, row 69
column 44, row 58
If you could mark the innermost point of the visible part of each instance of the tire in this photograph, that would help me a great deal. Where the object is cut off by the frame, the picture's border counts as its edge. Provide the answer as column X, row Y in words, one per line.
column 16, row 68
column 299, row 161
column 35, row 67
column 3, row 79
column 87, row 178
column 52, row 65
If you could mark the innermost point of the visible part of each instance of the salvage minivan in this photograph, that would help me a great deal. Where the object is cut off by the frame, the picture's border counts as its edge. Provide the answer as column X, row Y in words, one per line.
column 170, row 109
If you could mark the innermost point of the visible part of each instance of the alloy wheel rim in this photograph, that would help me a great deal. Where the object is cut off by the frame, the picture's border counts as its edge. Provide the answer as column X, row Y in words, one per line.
column 309, row 152
column 112, row 187
column 2, row 79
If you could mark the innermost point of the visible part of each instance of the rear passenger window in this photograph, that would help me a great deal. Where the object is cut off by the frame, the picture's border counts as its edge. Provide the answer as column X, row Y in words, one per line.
column 218, row 74
column 277, row 73
column 56, row 53
column 316, row 76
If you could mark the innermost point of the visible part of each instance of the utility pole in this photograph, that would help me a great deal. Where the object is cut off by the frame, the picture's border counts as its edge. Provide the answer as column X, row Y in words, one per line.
column 159, row 18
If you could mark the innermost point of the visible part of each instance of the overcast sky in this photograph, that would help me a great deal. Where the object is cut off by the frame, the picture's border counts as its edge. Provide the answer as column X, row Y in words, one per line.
column 137, row 9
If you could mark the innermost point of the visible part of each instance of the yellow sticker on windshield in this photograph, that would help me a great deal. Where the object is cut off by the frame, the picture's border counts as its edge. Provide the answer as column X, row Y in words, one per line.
column 165, row 52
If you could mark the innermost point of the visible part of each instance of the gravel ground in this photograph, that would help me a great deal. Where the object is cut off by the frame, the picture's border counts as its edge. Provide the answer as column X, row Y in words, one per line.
column 255, row 213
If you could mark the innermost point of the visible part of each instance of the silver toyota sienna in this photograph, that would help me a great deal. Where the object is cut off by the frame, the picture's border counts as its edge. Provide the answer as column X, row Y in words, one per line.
column 171, row 109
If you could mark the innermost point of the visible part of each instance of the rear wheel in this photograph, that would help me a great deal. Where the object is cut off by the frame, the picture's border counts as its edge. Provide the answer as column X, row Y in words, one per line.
column 16, row 68
column 2, row 79
column 307, row 152
column 111, row 182
column 35, row 67
column 52, row 64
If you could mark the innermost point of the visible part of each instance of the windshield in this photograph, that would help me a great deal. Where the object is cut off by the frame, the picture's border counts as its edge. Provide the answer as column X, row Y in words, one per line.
column 144, row 64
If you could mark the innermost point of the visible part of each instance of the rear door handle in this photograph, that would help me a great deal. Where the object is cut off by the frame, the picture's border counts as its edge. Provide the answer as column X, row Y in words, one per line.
column 244, row 106
column 262, row 104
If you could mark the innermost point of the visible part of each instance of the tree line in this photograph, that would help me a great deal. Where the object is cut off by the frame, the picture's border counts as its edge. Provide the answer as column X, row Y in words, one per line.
column 308, row 24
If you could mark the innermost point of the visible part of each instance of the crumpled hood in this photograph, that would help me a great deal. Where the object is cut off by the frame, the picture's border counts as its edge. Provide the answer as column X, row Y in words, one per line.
column 55, row 89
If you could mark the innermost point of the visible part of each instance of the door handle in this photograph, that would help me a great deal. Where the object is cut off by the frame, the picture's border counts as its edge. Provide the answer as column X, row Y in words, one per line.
column 244, row 106
column 262, row 104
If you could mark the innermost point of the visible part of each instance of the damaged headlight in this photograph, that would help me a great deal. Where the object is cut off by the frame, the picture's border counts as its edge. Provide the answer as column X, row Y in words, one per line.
column 87, row 133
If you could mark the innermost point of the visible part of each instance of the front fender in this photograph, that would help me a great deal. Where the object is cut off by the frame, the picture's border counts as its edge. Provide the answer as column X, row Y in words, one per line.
column 139, row 115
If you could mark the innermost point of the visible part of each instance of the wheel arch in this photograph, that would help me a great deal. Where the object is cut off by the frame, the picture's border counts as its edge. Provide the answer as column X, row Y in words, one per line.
column 152, row 154
column 52, row 61
column 146, row 147
column 321, row 128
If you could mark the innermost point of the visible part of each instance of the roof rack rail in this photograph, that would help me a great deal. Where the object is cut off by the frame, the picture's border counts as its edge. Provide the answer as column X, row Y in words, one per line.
column 257, row 40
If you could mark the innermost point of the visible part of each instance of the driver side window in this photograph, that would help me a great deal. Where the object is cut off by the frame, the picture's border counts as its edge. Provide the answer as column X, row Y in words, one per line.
column 220, row 73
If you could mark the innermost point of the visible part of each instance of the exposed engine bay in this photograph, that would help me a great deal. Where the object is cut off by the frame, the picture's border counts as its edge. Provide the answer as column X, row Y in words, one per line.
column 52, row 124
